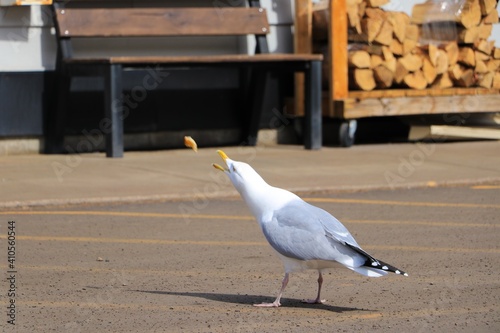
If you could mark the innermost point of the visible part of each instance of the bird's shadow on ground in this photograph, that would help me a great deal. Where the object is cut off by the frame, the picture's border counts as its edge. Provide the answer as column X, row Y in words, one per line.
column 254, row 299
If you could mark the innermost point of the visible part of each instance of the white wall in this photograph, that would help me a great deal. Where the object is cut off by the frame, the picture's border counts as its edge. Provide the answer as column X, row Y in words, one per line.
column 280, row 14
column 26, row 40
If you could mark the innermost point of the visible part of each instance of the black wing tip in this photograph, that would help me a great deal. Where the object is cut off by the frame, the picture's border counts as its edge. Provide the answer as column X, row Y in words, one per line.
column 378, row 264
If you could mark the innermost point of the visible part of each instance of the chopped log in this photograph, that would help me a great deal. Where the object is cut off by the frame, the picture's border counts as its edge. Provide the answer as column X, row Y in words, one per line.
column 470, row 15
column 481, row 67
column 467, row 36
column 411, row 62
column 484, row 31
column 442, row 62
column 480, row 56
column 383, row 76
column 371, row 28
column 467, row 78
column 376, row 60
column 456, row 72
column 428, row 70
column 352, row 7
column 384, row 36
column 484, row 46
column 496, row 81
column 432, row 51
column 376, row 13
column 466, row 56
column 354, row 37
column 412, row 32
column 399, row 21
column 493, row 65
column 486, row 80
column 377, row 3
column 362, row 8
column 387, row 53
column 443, row 81
column 409, row 46
column 400, row 72
column 452, row 52
column 437, row 57
column 496, row 53
column 359, row 59
column 491, row 18
column 389, row 59
column 487, row 6
column 415, row 80
column 390, row 64
column 396, row 47
column 363, row 79
column 370, row 48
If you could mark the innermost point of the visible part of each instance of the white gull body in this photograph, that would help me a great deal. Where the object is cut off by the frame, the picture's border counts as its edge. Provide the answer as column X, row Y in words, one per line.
column 303, row 235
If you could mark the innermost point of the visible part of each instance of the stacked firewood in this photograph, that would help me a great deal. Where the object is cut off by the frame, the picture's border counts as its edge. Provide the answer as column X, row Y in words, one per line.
column 437, row 47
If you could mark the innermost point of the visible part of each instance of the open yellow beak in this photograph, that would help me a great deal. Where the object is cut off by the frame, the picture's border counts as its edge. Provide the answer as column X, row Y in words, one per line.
column 224, row 157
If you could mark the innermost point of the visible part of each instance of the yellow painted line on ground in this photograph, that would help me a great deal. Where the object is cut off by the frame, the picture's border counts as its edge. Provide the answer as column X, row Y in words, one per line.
column 402, row 203
column 130, row 214
column 425, row 223
column 234, row 217
column 129, row 274
column 133, row 241
column 486, row 187
column 430, row 249
column 233, row 243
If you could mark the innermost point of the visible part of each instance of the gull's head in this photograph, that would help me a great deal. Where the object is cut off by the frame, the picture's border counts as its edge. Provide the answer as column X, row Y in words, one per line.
column 242, row 175
column 261, row 198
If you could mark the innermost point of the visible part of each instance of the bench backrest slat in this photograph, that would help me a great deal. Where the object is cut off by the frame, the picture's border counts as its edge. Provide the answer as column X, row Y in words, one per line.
column 155, row 22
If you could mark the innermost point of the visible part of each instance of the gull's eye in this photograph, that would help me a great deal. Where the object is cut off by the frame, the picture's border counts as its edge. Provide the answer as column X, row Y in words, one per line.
column 234, row 168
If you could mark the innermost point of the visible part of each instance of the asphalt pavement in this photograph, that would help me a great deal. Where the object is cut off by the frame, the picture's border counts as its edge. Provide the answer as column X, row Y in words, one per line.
column 160, row 241
column 199, row 265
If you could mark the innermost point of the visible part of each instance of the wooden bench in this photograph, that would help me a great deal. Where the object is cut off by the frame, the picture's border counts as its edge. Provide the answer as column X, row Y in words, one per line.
column 73, row 23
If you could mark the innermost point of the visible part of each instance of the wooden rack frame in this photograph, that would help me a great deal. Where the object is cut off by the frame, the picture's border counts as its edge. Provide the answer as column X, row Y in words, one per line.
column 340, row 102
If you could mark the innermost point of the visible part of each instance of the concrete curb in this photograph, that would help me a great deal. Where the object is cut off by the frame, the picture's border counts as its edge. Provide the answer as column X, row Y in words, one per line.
column 302, row 191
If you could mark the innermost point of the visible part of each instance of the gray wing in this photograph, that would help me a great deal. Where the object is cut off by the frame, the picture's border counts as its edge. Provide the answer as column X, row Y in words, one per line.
column 302, row 231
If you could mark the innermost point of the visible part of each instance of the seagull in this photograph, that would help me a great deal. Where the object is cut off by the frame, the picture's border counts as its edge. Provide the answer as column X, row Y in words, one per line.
column 304, row 236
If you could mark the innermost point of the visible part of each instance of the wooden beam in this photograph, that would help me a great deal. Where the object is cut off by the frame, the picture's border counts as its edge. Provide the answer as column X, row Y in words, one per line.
column 302, row 39
column 395, row 93
column 452, row 132
column 160, row 22
column 338, row 55
column 395, row 106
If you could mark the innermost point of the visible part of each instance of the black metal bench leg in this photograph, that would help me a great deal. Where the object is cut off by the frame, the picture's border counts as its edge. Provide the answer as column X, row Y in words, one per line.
column 258, row 85
column 113, row 108
column 56, row 118
column 313, row 116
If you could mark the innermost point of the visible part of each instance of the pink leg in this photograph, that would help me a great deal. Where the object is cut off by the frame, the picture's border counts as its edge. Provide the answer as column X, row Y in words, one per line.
column 318, row 299
column 276, row 303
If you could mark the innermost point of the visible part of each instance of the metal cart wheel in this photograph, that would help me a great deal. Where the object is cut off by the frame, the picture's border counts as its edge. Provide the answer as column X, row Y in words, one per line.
column 347, row 132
